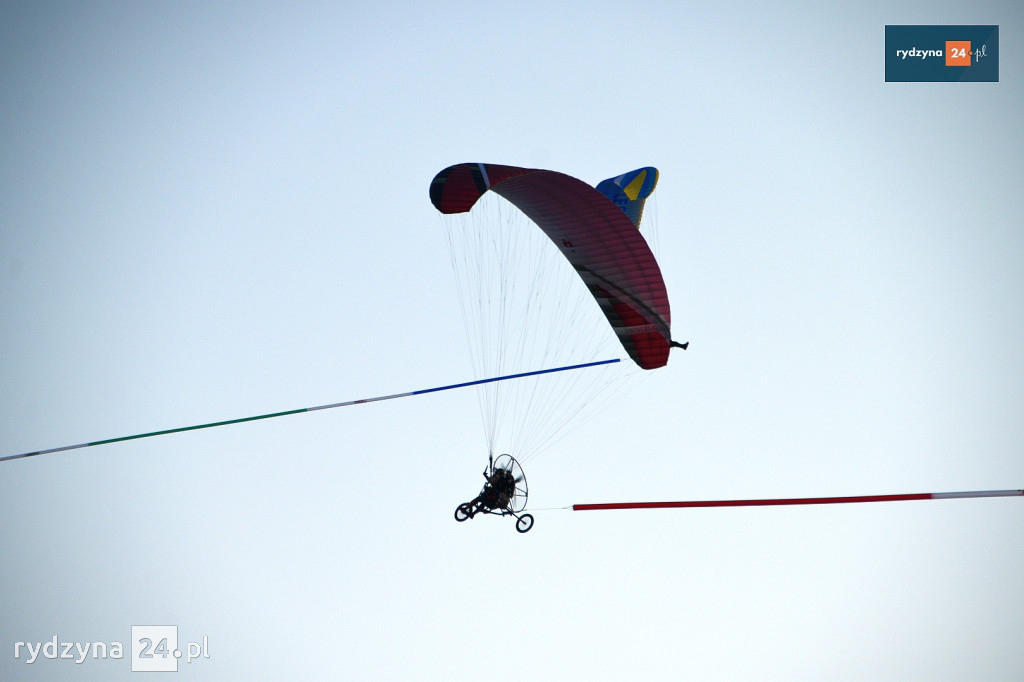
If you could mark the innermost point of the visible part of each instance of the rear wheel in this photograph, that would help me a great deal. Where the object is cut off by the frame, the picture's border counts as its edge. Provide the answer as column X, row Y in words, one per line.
column 462, row 512
column 524, row 523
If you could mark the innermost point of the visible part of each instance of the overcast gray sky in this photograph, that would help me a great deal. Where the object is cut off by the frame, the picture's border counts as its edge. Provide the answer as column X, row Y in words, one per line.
column 210, row 211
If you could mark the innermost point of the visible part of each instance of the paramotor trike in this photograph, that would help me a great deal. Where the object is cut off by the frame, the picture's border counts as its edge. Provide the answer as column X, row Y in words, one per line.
column 504, row 494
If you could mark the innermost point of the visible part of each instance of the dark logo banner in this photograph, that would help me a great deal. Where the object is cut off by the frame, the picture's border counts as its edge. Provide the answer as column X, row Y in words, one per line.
column 941, row 53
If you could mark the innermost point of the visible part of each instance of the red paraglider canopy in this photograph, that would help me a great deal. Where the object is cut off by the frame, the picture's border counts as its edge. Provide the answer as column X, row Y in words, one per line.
column 592, row 232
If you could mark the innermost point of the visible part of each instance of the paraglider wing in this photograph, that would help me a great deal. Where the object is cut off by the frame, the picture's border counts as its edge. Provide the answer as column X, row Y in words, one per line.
column 599, row 238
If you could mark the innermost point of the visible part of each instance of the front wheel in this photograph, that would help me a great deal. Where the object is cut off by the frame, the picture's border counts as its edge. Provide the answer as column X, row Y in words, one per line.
column 462, row 512
column 524, row 523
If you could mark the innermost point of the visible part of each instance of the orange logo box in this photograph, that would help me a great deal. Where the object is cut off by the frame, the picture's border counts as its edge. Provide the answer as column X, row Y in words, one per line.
column 958, row 53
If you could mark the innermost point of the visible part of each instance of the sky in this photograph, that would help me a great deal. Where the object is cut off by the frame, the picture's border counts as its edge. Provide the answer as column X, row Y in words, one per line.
column 216, row 210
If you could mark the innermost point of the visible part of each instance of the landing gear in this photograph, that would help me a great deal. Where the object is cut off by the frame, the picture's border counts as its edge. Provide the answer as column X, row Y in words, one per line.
column 524, row 523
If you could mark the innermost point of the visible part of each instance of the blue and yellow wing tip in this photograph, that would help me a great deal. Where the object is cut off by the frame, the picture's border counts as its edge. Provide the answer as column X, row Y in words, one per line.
column 629, row 190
